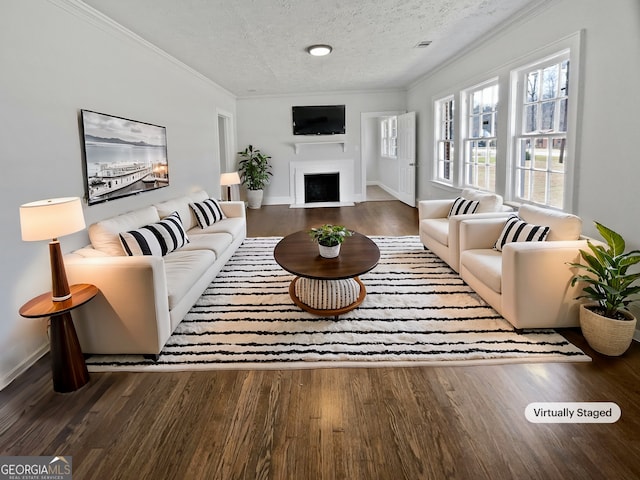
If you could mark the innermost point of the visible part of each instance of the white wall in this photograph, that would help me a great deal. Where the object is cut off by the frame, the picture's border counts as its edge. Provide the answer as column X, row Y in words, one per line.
column 56, row 57
column 608, row 166
column 266, row 124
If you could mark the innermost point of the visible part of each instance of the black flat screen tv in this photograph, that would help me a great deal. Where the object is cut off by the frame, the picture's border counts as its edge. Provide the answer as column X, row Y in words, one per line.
column 122, row 157
column 319, row 120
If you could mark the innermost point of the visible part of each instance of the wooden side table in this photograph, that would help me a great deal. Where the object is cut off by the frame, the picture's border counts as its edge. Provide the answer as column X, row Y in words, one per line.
column 67, row 362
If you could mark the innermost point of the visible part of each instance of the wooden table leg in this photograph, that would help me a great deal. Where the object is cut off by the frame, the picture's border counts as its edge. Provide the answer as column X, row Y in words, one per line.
column 68, row 367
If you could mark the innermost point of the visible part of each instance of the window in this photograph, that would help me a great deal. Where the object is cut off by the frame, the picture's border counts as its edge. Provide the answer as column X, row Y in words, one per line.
column 389, row 137
column 480, row 141
column 445, row 152
column 541, row 153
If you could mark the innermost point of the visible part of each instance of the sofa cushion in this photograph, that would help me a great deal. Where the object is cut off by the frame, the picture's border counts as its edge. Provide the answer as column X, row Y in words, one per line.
column 436, row 228
column 156, row 239
column 208, row 212
column 216, row 242
column 562, row 226
column 486, row 265
column 183, row 268
column 233, row 226
column 199, row 196
column 104, row 235
column 517, row 230
column 180, row 205
column 462, row 206
column 489, row 202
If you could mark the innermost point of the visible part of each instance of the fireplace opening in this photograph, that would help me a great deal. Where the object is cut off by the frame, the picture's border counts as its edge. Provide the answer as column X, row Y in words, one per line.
column 322, row 187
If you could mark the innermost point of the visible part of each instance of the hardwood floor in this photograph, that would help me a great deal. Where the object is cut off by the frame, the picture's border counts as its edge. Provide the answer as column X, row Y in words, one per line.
column 375, row 423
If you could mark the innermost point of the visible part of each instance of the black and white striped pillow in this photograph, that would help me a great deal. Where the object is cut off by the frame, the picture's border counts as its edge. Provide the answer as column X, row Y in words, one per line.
column 517, row 230
column 207, row 212
column 462, row 206
column 156, row 239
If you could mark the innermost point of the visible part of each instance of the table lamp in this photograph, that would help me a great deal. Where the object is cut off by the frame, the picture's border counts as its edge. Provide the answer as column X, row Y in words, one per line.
column 228, row 179
column 48, row 220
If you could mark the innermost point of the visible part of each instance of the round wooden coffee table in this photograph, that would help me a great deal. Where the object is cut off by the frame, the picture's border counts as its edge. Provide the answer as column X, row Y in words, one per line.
column 326, row 286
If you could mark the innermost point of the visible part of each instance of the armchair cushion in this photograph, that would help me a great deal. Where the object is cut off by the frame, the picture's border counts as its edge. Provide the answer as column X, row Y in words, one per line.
column 463, row 206
column 517, row 230
column 488, row 202
column 562, row 226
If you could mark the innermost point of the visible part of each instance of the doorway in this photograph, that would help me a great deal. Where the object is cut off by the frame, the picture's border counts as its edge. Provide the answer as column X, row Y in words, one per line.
column 226, row 147
column 384, row 174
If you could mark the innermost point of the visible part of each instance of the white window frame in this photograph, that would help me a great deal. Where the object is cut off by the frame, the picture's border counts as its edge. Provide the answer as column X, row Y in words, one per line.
column 445, row 140
column 389, row 137
column 517, row 133
column 470, row 141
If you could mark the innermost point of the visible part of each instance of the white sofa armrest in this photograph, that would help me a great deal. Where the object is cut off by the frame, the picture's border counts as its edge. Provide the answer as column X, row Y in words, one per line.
column 434, row 208
column 536, row 283
column 234, row 209
column 131, row 314
column 480, row 233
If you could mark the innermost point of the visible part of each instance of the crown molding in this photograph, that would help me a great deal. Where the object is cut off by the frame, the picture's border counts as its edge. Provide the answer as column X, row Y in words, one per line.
column 92, row 16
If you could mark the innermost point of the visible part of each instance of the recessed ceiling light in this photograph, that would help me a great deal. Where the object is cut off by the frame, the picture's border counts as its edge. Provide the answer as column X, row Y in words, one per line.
column 424, row 43
column 319, row 50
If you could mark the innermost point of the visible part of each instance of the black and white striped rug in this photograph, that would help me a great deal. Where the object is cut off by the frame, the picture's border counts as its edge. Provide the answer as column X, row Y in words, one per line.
column 417, row 312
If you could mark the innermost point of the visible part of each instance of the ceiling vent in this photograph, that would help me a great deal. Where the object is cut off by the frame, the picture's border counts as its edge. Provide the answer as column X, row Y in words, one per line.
column 423, row 44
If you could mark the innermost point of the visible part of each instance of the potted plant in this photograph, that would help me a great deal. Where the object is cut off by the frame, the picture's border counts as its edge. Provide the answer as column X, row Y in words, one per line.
column 329, row 238
column 607, row 325
column 254, row 169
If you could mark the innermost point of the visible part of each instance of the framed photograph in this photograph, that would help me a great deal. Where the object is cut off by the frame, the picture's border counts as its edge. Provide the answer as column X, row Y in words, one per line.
column 122, row 157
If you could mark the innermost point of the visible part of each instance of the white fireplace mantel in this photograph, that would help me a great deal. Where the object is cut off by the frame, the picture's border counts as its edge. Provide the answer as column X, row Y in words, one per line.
column 298, row 169
column 297, row 145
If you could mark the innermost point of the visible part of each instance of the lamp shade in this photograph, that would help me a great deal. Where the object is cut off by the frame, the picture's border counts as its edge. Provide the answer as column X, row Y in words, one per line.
column 52, row 218
column 231, row 178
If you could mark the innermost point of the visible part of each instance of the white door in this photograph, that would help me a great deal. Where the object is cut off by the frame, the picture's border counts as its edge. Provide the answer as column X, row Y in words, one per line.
column 407, row 158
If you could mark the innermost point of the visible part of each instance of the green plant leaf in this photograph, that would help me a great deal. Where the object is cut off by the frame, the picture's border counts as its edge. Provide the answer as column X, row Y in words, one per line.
column 614, row 240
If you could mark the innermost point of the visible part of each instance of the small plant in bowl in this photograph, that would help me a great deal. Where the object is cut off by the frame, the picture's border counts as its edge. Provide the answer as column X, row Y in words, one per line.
column 329, row 238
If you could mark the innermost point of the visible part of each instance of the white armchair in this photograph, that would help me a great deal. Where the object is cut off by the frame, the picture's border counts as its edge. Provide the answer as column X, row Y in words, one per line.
column 528, row 283
column 440, row 233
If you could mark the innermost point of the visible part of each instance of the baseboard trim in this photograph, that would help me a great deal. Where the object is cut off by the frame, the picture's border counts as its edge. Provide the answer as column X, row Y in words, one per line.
column 19, row 369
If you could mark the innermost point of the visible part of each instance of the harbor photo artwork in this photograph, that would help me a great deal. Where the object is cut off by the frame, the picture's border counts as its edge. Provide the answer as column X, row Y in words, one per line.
column 123, row 157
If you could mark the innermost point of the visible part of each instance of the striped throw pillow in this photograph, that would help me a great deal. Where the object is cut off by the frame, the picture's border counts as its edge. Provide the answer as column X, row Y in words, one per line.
column 462, row 206
column 156, row 239
column 517, row 230
column 207, row 212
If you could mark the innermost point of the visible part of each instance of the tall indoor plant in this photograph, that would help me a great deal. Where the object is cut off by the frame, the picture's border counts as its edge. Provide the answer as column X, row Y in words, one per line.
column 607, row 325
column 255, row 170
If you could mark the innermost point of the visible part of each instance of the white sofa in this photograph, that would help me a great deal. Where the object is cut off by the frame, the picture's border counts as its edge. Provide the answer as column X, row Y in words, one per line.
column 143, row 298
column 439, row 232
column 528, row 283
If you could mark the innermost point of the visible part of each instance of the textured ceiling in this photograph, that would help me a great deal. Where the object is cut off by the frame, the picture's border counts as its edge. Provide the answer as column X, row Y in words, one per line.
column 257, row 47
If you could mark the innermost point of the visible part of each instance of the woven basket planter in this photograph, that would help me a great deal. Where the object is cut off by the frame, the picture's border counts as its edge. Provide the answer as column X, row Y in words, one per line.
column 607, row 335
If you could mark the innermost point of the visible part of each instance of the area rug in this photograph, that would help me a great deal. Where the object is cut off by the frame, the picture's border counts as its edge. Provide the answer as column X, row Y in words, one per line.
column 417, row 312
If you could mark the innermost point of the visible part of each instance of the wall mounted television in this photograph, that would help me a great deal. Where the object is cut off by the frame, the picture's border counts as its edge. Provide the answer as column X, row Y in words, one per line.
column 319, row 120
column 122, row 157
